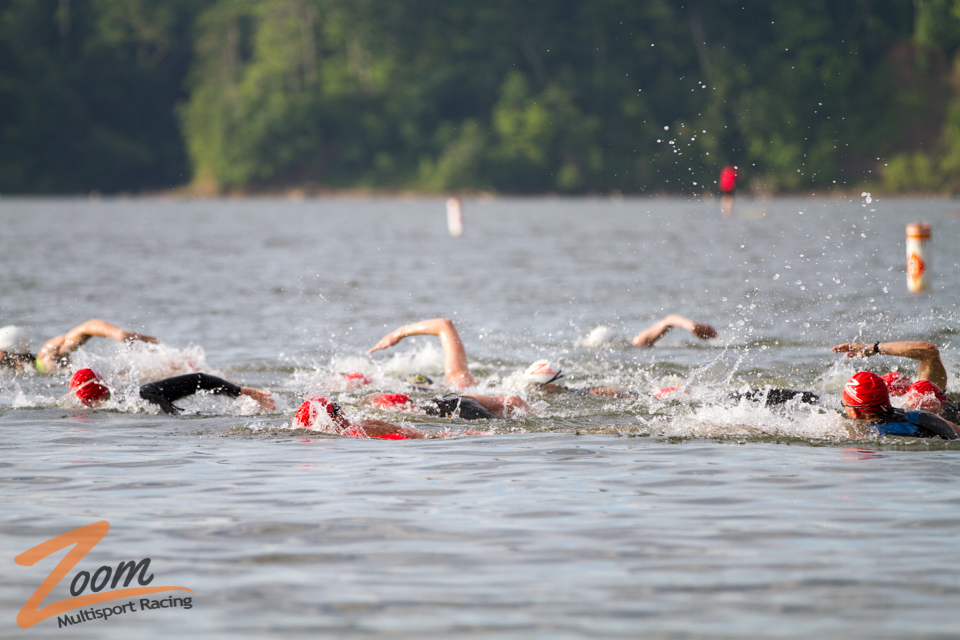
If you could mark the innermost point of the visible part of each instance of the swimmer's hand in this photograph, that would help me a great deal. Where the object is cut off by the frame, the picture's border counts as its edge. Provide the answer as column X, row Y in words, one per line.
column 133, row 336
column 703, row 331
column 699, row 329
column 387, row 341
column 263, row 397
column 855, row 349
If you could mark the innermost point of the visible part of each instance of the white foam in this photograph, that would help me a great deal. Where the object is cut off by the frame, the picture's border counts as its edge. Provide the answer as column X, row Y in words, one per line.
column 746, row 418
column 141, row 362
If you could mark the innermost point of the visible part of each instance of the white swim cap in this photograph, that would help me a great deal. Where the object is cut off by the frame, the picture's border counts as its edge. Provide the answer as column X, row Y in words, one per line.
column 14, row 339
column 543, row 372
column 599, row 336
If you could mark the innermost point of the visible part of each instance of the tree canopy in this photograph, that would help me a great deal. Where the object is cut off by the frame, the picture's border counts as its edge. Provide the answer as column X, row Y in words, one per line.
column 516, row 97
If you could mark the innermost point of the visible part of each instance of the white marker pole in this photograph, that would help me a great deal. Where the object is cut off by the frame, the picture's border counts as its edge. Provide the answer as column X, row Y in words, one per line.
column 455, row 217
column 918, row 234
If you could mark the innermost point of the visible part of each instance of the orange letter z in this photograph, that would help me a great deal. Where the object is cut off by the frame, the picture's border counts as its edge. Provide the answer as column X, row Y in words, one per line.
column 86, row 538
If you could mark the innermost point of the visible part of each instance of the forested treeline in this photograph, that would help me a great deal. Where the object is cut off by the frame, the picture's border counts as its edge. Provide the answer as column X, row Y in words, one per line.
column 511, row 96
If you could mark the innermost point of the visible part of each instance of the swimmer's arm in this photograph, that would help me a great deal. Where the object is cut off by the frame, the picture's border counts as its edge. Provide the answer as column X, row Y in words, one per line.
column 61, row 346
column 931, row 367
column 953, row 426
column 649, row 336
column 455, row 366
column 935, row 418
column 167, row 391
column 99, row 329
column 219, row 386
column 500, row 406
column 607, row 393
column 376, row 428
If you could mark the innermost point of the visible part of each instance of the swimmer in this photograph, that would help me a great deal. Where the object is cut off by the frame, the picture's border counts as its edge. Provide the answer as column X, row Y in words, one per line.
column 924, row 395
column 89, row 387
column 867, row 401
column 549, row 378
column 930, row 369
column 320, row 412
column 15, row 345
column 455, row 367
column 453, row 406
column 649, row 336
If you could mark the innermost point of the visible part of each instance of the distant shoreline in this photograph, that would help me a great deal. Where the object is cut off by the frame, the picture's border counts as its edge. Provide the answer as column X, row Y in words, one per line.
column 296, row 195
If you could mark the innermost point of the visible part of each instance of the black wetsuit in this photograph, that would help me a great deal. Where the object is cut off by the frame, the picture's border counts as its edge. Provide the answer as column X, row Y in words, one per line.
column 456, row 406
column 913, row 424
column 165, row 392
column 773, row 396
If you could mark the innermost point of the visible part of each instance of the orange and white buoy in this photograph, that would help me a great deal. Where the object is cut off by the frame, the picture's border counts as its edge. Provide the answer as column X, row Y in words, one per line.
column 918, row 234
column 455, row 217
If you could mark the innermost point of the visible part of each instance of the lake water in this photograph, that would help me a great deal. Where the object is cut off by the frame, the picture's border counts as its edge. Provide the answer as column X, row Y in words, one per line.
column 684, row 517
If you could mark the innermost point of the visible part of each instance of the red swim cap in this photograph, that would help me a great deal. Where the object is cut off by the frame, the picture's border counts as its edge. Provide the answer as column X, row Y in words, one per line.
column 666, row 391
column 923, row 395
column 728, row 179
column 309, row 410
column 866, row 390
column 897, row 383
column 88, row 386
column 388, row 400
column 356, row 380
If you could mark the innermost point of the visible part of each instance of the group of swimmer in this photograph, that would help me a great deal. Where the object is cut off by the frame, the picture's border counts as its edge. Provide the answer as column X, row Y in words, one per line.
column 926, row 411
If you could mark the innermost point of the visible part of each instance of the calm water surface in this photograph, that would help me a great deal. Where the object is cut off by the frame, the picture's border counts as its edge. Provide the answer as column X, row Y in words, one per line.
column 687, row 517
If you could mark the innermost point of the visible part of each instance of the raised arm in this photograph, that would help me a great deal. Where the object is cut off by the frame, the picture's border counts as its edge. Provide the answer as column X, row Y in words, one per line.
column 56, row 349
column 455, row 366
column 927, row 355
column 167, row 391
column 649, row 336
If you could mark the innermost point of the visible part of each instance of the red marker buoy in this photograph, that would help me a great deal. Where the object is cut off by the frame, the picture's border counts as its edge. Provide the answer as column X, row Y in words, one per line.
column 728, row 183
column 728, row 179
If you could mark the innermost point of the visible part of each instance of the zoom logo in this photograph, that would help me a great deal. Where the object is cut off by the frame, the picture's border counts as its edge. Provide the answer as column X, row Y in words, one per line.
column 83, row 540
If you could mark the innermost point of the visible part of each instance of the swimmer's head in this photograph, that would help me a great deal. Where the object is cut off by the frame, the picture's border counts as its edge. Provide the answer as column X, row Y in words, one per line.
column 419, row 380
column 89, row 387
column 865, row 393
column 356, row 380
column 544, row 372
column 310, row 410
column 923, row 395
column 897, row 383
column 666, row 392
column 391, row 400
column 13, row 339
